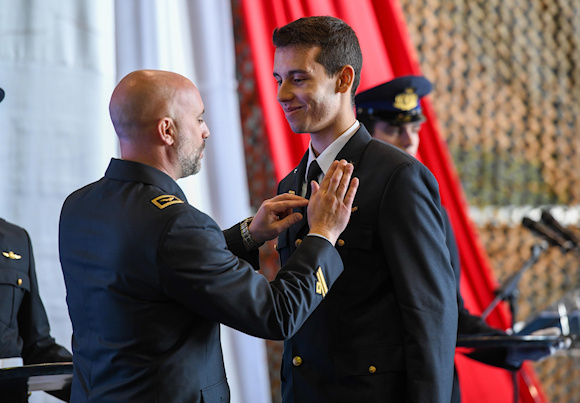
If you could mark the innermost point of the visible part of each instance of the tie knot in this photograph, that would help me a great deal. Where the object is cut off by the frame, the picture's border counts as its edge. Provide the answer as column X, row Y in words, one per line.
column 314, row 172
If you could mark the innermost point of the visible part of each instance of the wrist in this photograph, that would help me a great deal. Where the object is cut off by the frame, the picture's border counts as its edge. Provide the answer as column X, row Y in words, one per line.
column 249, row 241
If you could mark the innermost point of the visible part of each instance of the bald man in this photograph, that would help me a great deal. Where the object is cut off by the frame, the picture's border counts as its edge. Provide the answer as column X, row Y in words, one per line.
column 149, row 277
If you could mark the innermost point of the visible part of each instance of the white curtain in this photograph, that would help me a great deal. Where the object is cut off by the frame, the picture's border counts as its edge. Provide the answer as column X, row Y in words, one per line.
column 59, row 62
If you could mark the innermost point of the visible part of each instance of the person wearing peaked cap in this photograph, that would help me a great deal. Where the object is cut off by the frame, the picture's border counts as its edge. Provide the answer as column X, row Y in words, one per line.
column 392, row 113
column 386, row 332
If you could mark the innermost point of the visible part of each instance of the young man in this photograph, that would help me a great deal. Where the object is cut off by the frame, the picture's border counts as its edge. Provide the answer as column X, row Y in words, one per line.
column 149, row 278
column 387, row 331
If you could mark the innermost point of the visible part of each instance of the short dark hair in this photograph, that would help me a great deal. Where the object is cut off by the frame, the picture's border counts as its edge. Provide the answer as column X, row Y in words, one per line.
column 338, row 43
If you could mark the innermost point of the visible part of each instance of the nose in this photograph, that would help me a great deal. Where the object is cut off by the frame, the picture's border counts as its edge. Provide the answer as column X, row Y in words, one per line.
column 205, row 133
column 284, row 94
column 405, row 137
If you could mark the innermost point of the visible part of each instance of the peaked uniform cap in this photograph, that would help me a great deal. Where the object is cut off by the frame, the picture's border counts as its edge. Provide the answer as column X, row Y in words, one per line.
column 397, row 101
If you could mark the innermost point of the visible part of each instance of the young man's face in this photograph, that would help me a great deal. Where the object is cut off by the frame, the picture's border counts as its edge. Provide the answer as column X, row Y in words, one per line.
column 308, row 96
column 404, row 136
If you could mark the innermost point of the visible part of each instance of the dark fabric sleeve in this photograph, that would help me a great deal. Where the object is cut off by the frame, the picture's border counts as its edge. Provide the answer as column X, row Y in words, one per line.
column 201, row 272
column 38, row 346
column 236, row 245
column 412, row 232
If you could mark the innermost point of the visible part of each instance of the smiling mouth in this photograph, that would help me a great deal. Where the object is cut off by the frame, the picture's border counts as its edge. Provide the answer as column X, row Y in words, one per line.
column 291, row 110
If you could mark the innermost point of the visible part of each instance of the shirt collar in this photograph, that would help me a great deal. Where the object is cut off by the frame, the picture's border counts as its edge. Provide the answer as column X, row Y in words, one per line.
column 329, row 154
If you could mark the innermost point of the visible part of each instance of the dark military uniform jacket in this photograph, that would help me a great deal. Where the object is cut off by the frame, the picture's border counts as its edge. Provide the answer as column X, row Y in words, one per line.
column 386, row 332
column 24, row 327
column 149, row 279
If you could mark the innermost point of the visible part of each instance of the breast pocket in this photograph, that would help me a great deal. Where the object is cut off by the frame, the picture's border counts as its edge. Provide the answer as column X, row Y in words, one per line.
column 14, row 284
column 362, row 259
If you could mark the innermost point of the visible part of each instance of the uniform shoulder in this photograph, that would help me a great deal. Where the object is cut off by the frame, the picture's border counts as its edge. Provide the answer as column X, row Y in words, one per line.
column 381, row 149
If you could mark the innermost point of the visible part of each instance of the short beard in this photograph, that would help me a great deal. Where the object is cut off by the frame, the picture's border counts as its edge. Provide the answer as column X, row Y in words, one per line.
column 190, row 166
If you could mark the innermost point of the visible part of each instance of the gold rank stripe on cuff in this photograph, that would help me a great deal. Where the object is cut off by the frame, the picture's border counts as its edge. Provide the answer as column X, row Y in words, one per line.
column 321, row 287
column 12, row 255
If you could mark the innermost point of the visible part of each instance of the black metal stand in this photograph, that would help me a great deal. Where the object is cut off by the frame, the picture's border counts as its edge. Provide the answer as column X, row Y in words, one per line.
column 509, row 292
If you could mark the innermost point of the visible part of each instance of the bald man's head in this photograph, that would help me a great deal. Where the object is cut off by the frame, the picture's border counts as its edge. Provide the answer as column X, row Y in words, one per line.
column 143, row 97
column 158, row 117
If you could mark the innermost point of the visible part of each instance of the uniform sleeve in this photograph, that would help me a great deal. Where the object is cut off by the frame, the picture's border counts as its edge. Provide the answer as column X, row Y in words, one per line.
column 199, row 270
column 236, row 245
column 412, row 233
column 38, row 345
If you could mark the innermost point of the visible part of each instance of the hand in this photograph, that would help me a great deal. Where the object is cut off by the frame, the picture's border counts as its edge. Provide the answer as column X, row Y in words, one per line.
column 275, row 215
column 331, row 203
column 516, row 356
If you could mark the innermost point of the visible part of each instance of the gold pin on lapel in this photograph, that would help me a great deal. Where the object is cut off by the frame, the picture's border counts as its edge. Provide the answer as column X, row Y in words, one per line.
column 292, row 192
column 321, row 287
column 12, row 255
column 355, row 208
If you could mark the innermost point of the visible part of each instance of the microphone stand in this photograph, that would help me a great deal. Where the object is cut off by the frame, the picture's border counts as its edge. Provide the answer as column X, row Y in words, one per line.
column 509, row 292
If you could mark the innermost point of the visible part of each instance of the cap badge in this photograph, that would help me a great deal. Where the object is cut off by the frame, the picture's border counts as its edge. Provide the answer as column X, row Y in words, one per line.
column 407, row 100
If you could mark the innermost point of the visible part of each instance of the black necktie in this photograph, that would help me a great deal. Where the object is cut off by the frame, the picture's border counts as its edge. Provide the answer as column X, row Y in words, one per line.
column 314, row 172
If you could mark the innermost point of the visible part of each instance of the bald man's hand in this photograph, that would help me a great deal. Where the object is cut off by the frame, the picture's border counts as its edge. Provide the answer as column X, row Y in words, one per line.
column 275, row 215
column 331, row 203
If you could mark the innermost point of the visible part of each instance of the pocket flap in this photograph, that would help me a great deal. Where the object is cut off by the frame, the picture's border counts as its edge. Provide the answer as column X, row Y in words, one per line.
column 15, row 278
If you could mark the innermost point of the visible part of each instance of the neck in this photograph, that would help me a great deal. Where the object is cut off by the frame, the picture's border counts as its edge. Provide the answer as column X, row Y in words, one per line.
column 152, row 157
column 322, row 139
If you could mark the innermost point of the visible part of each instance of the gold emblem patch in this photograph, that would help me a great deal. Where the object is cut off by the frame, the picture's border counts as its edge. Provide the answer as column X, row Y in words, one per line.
column 12, row 255
column 321, row 287
column 407, row 100
column 166, row 200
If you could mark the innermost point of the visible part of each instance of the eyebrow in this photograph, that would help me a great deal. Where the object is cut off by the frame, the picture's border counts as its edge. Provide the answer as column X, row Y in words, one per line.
column 296, row 71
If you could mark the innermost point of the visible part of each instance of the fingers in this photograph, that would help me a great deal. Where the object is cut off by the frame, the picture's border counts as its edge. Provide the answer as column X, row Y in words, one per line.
column 285, row 203
column 349, row 198
column 337, row 178
column 286, row 222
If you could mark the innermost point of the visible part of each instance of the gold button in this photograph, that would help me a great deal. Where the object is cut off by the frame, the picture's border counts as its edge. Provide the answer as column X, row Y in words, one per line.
column 19, row 281
column 297, row 361
column 298, row 242
column 340, row 242
column 372, row 369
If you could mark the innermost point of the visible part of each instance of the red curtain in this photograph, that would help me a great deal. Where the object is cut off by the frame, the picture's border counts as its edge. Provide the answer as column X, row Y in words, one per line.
column 388, row 53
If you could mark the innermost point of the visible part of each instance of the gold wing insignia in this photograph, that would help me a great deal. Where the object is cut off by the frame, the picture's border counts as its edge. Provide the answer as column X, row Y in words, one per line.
column 12, row 255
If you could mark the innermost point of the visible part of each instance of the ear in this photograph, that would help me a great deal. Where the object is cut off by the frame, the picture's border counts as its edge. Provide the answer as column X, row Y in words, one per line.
column 345, row 79
column 166, row 130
